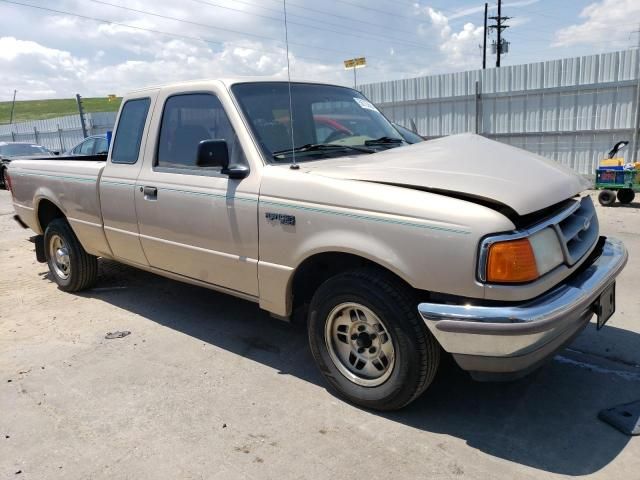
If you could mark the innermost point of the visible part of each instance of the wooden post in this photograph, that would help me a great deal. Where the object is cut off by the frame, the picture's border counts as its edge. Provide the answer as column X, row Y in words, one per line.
column 60, row 138
column 636, row 133
column 478, row 109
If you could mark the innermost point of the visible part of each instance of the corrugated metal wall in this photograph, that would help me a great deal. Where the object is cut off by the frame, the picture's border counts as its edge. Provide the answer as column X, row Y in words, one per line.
column 572, row 110
column 59, row 133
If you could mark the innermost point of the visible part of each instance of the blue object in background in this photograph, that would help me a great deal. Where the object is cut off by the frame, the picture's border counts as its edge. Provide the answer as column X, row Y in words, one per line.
column 109, row 134
column 612, row 167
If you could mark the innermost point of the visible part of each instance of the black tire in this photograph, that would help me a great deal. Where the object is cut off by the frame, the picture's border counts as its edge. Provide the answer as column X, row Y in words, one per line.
column 626, row 196
column 3, row 179
column 417, row 353
column 607, row 198
column 82, row 267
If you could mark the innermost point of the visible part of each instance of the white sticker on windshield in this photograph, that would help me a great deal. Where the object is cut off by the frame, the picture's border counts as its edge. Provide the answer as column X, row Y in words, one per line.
column 365, row 104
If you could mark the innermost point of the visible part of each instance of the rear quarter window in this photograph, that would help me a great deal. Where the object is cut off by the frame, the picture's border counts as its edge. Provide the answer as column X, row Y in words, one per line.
column 126, row 145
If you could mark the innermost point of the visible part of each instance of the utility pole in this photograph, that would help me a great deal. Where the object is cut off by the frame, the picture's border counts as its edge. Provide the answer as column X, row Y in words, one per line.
column 13, row 106
column 484, row 42
column 501, row 46
column 81, row 112
column 636, row 132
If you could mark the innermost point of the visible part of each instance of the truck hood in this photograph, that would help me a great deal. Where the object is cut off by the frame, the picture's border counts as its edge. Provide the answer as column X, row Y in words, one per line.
column 466, row 165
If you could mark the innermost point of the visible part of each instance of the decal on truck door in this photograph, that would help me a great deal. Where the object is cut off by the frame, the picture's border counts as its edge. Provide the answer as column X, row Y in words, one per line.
column 281, row 217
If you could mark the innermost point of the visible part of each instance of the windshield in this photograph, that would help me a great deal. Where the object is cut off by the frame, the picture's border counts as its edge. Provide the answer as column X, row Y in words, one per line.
column 22, row 150
column 322, row 115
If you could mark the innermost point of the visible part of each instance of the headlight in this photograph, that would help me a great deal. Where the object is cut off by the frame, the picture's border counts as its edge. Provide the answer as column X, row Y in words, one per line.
column 523, row 259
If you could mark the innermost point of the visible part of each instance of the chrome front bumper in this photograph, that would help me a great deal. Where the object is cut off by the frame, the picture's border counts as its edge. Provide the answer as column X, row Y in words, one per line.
column 512, row 340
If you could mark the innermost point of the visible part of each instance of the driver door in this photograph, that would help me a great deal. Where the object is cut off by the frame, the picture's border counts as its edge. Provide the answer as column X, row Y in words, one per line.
column 195, row 221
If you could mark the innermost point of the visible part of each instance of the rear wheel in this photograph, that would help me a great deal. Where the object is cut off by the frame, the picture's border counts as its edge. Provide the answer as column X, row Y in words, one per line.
column 369, row 341
column 626, row 195
column 607, row 198
column 72, row 268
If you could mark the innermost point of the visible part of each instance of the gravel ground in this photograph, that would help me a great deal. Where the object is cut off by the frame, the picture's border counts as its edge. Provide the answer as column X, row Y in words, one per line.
column 208, row 386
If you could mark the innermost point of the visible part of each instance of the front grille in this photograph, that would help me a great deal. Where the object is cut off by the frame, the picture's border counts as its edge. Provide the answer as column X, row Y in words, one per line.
column 578, row 231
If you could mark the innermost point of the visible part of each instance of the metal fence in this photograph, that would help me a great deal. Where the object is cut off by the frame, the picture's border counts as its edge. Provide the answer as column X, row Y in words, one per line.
column 571, row 110
column 58, row 134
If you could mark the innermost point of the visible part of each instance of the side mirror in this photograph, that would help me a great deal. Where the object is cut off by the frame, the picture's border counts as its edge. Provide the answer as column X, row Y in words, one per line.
column 215, row 153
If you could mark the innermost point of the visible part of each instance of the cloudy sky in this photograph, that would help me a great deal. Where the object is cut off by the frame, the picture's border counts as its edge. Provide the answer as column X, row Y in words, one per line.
column 56, row 48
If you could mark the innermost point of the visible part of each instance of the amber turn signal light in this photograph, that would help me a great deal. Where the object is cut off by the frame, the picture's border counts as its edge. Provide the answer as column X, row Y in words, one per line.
column 511, row 262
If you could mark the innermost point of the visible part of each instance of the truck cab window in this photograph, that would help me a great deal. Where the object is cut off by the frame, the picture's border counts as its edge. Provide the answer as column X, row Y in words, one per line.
column 186, row 121
column 126, row 145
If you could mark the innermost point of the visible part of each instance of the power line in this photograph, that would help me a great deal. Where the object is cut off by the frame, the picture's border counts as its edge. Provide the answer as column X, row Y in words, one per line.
column 374, row 36
column 204, row 2
column 322, row 12
column 591, row 29
column 204, row 25
column 151, row 30
column 387, row 13
column 362, row 7
column 413, row 45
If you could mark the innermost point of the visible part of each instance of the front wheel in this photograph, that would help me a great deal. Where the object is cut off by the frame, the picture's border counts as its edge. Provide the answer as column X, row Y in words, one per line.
column 369, row 341
column 72, row 268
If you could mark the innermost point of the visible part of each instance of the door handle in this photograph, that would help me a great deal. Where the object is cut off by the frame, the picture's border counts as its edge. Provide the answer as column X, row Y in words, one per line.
column 150, row 193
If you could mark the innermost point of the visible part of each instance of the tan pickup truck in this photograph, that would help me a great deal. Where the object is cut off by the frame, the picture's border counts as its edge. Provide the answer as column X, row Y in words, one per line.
column 394, row 253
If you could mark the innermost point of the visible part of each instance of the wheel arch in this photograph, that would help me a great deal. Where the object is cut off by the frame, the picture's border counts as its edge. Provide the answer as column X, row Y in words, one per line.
column 46, row 211
column 317, row 267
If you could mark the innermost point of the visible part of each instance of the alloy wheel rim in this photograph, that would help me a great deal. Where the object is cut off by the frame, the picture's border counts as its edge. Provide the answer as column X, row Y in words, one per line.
column 59, row 254
column 359, row 344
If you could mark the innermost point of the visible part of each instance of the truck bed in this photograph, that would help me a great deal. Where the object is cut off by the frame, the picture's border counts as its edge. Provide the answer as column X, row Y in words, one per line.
column 71, row 185
column 84, row 158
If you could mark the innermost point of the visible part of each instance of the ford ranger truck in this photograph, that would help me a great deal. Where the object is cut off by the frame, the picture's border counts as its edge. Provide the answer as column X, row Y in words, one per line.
column 395, row 254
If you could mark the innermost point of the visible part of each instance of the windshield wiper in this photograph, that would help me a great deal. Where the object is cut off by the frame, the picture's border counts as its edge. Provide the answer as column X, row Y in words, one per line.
column 318, row 147
column 384, row 141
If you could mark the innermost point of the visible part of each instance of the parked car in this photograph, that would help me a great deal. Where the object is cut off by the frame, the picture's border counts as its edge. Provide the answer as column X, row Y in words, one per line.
column 11, row 150
column 93, row 145
column 337, row 126
column 394, row 256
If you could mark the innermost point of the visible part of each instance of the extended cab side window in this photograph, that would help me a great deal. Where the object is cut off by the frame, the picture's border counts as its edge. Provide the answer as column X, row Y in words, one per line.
column 126, row 145
column 186, row 121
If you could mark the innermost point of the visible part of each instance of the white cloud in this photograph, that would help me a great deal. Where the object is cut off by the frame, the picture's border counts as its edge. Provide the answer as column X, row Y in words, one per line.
column 11, row 48
column 606, row 21
column 65, row 55
column 36, row 70
column 459, row 48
